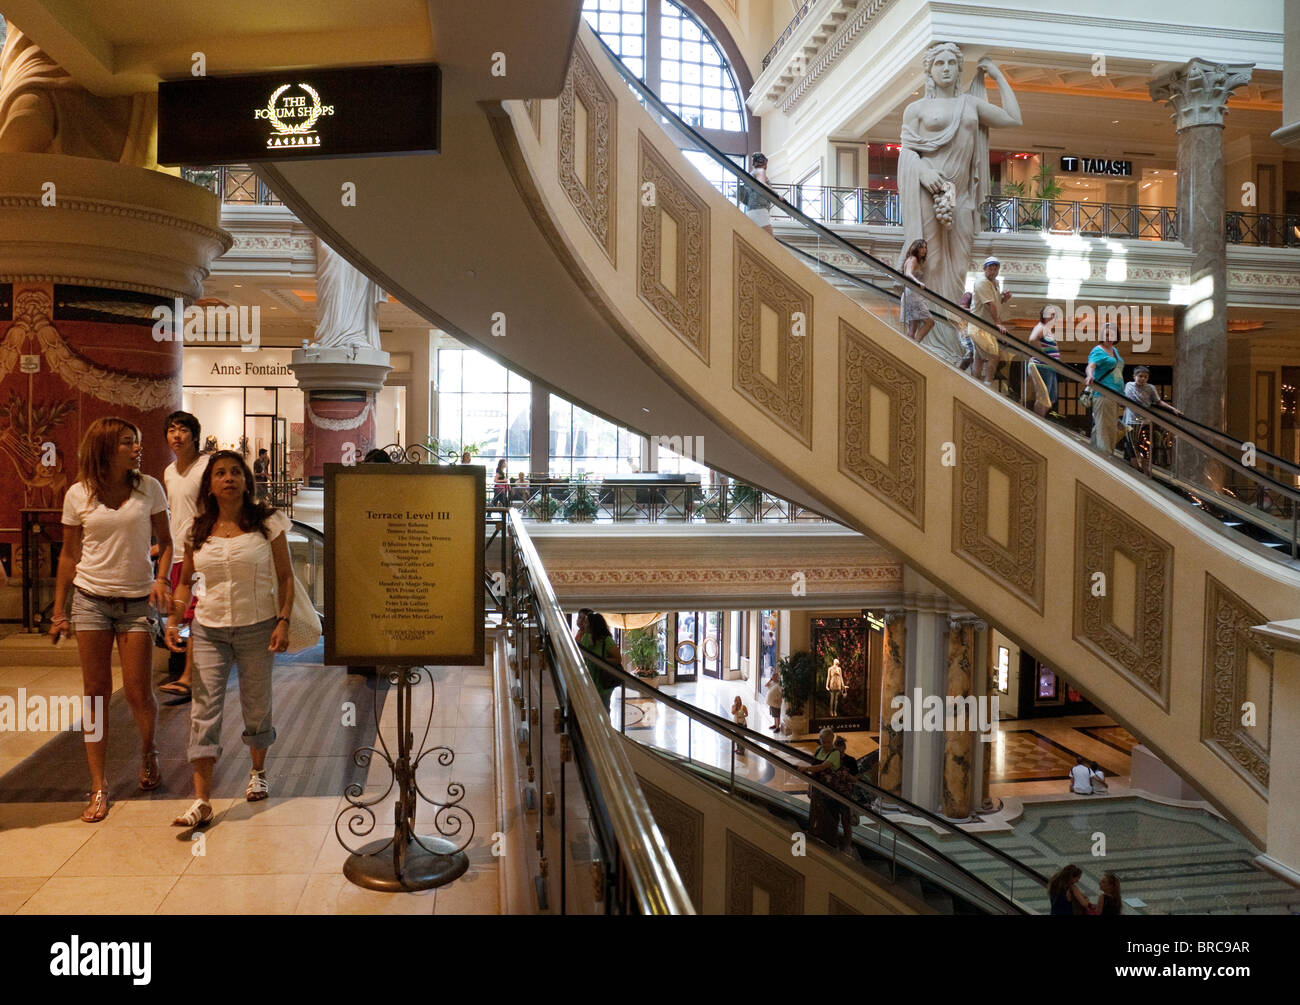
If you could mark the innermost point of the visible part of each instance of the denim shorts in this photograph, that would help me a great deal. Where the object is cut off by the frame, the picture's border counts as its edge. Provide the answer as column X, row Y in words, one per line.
column 105, row 614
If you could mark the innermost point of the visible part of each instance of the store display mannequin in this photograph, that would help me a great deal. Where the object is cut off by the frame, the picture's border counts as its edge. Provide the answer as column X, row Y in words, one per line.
column 835, row 685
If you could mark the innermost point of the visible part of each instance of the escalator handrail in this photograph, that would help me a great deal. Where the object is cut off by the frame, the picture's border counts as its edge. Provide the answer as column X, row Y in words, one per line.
column 753, row 740
column 650, row 867
column 1188, row 427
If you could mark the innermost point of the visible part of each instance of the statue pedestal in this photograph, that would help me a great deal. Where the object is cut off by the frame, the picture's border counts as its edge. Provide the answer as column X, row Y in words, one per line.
column 339, row 387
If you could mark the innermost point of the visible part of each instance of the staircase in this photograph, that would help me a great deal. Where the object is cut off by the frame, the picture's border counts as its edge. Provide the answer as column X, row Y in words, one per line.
column 631, row 286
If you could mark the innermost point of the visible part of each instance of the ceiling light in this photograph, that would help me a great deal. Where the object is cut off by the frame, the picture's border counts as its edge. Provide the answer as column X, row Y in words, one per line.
column 239, row 286
column 1114, row 122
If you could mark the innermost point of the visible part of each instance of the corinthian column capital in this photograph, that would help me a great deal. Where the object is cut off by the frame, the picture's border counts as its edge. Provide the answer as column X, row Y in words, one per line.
column 1197, row 90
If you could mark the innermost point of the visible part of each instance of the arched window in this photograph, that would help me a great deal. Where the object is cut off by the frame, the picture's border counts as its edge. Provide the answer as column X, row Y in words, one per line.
column 679, row 59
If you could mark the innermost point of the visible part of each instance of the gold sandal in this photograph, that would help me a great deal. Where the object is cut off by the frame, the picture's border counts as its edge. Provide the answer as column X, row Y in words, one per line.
column 150, row 772
column 97, row 808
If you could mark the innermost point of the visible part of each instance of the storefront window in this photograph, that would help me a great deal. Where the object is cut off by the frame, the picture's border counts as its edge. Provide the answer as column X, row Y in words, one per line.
column 482, row 403
column 583, row 443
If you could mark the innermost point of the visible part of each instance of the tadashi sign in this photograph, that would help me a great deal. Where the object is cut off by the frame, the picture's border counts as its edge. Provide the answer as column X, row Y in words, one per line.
column 404, row 565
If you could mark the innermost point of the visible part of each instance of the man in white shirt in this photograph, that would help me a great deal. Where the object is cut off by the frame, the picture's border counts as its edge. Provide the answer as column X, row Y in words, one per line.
column 182, row 479
column 986, row 302
column 1081, row 779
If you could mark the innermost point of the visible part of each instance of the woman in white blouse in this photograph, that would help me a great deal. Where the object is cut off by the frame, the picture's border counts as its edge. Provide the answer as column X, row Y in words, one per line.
column 109, row 514
column 237, row 562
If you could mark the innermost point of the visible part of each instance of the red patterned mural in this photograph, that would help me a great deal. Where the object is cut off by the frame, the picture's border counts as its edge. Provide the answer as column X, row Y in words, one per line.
column 68, row 356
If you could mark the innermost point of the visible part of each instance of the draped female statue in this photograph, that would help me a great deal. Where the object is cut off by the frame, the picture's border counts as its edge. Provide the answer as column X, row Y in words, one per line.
column 43, row 110
column 943, row 172
column 346, row 303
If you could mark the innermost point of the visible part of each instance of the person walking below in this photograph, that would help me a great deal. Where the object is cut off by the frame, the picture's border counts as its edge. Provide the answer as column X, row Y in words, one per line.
column 109, row 514
column 773, row 698
column 599, row 642
column 1105, row 367
column 262, row 474
column 915, row 312
column 240, row 553
column 182, row 478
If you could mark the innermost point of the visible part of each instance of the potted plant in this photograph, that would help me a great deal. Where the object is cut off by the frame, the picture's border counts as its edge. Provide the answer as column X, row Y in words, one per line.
column 796, row 673
column 542, row 507
column 744, row 500
column 580, row 506
column 641, row 651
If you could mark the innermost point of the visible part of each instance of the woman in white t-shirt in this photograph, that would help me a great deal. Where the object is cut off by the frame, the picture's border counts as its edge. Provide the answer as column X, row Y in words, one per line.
column 237, row 561
column 109, row 515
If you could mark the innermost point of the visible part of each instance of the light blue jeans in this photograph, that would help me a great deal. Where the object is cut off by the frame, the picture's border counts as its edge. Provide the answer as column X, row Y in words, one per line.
column 215, row 649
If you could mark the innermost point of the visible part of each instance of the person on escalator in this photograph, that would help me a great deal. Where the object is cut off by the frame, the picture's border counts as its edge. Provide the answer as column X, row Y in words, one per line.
column 599, row 641
column 755, row 202
column 1064, row 894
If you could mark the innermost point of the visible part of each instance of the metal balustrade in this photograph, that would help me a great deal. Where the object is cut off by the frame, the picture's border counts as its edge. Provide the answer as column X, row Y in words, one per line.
column 233, row 183
column 590, row 501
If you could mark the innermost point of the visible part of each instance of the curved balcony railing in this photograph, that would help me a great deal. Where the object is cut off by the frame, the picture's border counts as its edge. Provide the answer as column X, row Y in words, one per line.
column 233, row 183
column 593, row 501
column 837, row 206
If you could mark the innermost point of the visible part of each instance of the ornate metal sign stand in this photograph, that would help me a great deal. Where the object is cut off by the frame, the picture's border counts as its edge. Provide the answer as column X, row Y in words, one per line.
column 414, row 862
column 407, row 860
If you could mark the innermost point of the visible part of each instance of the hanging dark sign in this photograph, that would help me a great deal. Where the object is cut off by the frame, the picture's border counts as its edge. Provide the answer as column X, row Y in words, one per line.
column 300, row 114
column 1095, row 165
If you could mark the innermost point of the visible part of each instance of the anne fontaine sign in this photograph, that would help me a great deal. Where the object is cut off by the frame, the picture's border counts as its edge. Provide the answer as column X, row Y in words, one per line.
column 300, row 114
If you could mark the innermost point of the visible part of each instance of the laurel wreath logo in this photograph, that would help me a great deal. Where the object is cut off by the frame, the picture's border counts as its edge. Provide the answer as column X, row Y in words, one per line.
column 302, row 127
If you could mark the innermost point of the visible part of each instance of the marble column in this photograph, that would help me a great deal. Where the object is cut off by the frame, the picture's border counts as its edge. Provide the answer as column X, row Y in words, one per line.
column 958, row 748
column 1198, row 92
column 893, row 683
column 342, row 372
column 987, row 803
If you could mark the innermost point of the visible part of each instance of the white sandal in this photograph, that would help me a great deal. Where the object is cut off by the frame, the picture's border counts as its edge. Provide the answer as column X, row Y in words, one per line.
column 257, row 787
column 197, row 815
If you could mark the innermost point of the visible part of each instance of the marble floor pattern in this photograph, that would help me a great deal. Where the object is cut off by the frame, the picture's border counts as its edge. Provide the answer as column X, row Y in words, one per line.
column 1169, row 859
column 280, row 856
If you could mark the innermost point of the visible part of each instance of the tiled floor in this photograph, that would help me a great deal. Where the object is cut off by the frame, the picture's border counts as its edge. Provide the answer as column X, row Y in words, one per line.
column 280, row 856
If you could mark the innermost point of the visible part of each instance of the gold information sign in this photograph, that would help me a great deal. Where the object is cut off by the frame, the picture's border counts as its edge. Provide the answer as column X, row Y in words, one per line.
column 404, row 564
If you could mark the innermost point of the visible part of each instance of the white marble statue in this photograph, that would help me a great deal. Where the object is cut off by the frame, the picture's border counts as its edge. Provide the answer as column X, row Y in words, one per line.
column 347, row 314
column 943, row 176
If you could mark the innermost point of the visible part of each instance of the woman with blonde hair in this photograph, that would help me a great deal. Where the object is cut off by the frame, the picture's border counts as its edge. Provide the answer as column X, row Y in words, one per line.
column 109, row 515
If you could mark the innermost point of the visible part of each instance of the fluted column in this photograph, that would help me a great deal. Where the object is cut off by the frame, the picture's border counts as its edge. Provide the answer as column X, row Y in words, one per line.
column 958, row 745
column 893, row 683
column 1198, row 91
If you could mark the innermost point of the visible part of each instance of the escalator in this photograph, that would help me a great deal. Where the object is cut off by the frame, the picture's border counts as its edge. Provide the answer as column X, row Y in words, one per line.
column 629, row 284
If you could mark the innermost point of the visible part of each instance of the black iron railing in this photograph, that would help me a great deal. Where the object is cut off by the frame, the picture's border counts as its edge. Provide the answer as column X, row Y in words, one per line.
column 234, row 183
